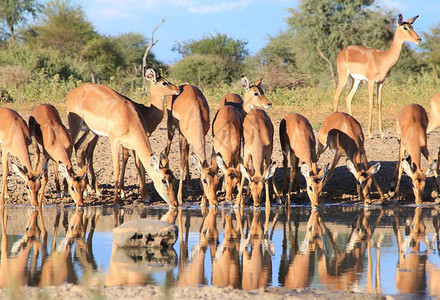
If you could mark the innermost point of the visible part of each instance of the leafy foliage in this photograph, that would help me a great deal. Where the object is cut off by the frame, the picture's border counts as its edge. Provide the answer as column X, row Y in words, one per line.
column 214, row 48
column 432, row 46
column 14, row 13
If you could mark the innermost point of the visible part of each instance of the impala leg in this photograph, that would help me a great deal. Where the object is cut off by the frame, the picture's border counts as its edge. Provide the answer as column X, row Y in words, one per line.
column 292, row 175
column 285, row 174
column 43, row 188
column 275, row 190
column 142, row 184
column 353, row 90
column 125, row 155
column 75, row 124
column 5, row 176
column 395, row 184
column 342, row 79
column 379, row 105
column 170, row 132
column 428, row 157
column 295, row 160
column 57, row 180
column 336, row 159
column 371, row 101
column 367, row 166
column 37, row 153
column 115, row 159
column 183, row 145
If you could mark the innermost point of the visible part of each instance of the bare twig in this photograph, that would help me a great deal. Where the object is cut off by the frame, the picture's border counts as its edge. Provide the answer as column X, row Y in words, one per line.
column 330, row 66
column 152, row 43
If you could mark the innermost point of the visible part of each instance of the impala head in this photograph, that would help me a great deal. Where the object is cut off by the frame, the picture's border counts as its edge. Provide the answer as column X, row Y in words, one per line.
column 208, row 178
column 160, row 85
column 405, row 30
column 232, row 177
column 418, row 177
column 363, row 179
column 313, row 233
column 256, row 182
column 76, row 182
column 314, row 183
column 32, row 180
column 163, row 179
column 254, row 95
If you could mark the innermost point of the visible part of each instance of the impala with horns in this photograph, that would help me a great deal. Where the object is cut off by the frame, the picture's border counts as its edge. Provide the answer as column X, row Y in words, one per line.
column 372, row 65
column 189, row 114
column 411, row 135
column 227, row 131
column 298, row 141
column 253, row 98
column 108, row 113
column 257, row 165
column 160, row 88
column 46, row 126
column 15, row 139
column 343, row 135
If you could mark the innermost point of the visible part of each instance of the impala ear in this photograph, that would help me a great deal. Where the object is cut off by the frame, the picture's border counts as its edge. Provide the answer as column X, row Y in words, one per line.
column 19, row 171
column 350, row 167
column 270, row 171
column 399, row 19
column 164, row 162
column 63, row 170
column 220, row 163
column 196, row 162
column 406, row 167
column 150, row 75
column 374, row 169
column 324, row 172
column 258, row 83
column 431, row 167
column 305, row 171
column 245, row 172
column 412, row 20
column 154, row 162
column 43, row 169
column 245, row 82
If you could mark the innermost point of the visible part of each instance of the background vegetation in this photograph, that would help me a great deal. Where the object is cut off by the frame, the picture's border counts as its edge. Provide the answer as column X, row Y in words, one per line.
column 47, row 50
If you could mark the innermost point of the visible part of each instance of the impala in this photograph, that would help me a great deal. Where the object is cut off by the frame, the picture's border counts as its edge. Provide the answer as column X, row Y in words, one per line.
column 258, row 146
column 189, row 114
column 253, row 98
column 297, row 140
column 227, row 132
column 107, row 113
column 434, row 120
column 46, row 126
column 343, row 135
column 15, row 139
column 411, row 135
column 372, row 65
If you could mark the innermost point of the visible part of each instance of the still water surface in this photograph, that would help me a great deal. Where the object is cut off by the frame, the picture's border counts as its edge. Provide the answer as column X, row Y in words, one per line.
column 387, row 251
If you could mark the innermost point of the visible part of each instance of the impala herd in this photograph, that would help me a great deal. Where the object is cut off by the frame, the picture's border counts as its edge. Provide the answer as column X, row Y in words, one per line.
column 243, row 138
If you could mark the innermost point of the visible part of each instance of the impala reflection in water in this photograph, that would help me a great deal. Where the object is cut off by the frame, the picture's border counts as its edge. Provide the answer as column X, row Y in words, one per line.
column 378, row 250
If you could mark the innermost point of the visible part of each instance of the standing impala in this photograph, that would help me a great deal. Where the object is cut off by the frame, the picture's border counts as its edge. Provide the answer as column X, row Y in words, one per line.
column 343, row 135
column 189, row 114
column 227, row 131
column 15, row 139
column 434, row 120
column 160, row 88
column 297, row 140
column 107, row 113
column 411, row 135
column 257, row 159
column 372, row 65
column 46, row 126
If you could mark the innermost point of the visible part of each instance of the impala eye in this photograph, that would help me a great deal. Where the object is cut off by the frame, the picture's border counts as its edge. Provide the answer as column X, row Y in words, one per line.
column 28, row 187
column 405, row 28
column 164, row 83
column 205, row 181
column 256, row 94
column 164, row 181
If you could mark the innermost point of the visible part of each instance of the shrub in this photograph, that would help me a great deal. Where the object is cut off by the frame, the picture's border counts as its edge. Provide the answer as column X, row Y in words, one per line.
column 13, row 76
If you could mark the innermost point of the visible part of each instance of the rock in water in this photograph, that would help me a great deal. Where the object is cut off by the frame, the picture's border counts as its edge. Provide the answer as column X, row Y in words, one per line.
column 145, row 233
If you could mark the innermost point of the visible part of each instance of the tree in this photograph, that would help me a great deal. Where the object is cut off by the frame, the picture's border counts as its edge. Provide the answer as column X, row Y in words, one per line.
column 64, row 28
column 14, row 13
column 219, row 47
column 328, row 26
column 432, row 46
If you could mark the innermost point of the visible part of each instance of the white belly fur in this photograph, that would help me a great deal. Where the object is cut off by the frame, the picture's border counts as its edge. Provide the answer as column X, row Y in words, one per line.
column 100, row 133
column 359, row 77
